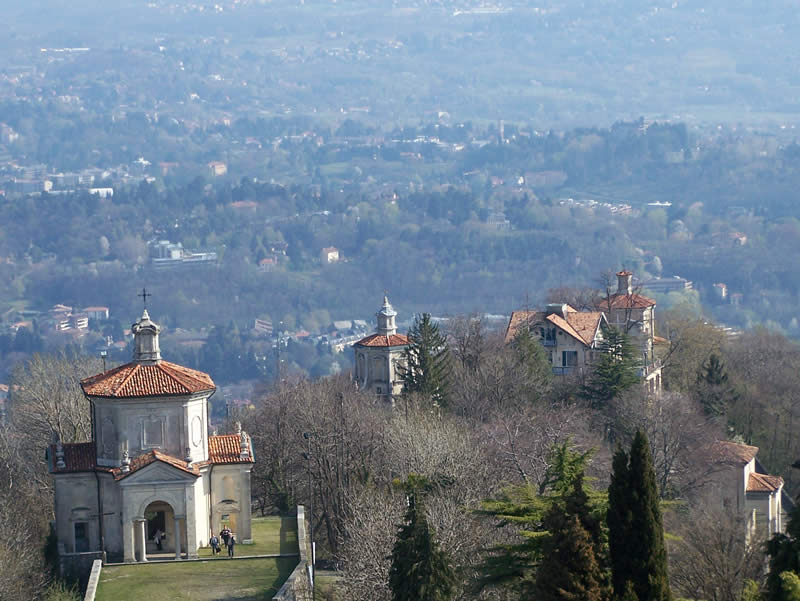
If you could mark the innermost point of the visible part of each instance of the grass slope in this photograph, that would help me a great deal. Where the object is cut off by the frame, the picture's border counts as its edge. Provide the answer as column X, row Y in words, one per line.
column 218, row 579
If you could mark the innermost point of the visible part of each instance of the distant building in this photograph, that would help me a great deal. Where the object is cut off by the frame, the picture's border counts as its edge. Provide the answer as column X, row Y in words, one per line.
column 573, row 337
column 744, row 487
column 165, row 255
column 329, row 255
column 569, row 336
column 720, row 291
column 217, row 168
column 263, row 326
column 379, row 357
column 497, row 220
column 666, row 285
column 98, row 313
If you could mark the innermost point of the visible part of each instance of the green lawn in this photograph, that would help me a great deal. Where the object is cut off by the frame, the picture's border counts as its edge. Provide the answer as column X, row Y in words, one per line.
column 215, row 579
column 270, row 535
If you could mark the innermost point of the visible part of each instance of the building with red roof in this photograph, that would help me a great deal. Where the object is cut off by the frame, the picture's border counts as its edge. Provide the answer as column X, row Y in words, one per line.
column 379, row 356
column 744, row 487
column 152, row 480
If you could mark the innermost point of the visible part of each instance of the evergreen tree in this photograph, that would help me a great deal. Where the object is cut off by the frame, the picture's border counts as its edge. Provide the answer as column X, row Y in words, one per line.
column 427, row 361
column 636, row 534
column 714, row 390
column 516, row 565
column 784, row 556
column 573, row 565
column 569, row 570
column 790, row 586
column 614, row 371
column 420, row 570
column 532, row 359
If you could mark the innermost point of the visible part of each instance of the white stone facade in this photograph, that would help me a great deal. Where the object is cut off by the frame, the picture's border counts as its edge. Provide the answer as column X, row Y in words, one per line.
column 151, row 465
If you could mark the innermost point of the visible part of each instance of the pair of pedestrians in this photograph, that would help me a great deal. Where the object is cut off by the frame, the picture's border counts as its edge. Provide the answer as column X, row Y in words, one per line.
column 228, row 539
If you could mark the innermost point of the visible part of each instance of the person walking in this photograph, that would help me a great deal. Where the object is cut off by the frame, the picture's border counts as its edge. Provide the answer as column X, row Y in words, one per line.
column 157, row 537
column 225, row 534
column 214, row 542
column 231, row 544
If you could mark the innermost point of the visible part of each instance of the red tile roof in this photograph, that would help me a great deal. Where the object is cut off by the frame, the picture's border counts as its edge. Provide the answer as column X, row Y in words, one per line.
column 139, row 380
column 226, row 448
column 763, row 483
column 581, row 325
column 724, row 451
column 382, row 340
column 626, row 301
column 152, row 456
column 78, row 457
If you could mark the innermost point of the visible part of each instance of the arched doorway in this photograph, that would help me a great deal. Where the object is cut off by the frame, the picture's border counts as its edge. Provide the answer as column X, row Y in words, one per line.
column 163, row 531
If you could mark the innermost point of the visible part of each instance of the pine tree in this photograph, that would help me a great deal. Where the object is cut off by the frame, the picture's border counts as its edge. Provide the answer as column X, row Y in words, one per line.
column 714, row 390
column 533, row 362
column 571, row 567
column 524, row 507
column 420, row 570
column 636, row 534
column 784, row 556
column 427, row 361
column 614, row 371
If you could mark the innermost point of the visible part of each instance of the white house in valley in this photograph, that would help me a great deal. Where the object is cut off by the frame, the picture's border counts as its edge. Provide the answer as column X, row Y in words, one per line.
column 151, row 464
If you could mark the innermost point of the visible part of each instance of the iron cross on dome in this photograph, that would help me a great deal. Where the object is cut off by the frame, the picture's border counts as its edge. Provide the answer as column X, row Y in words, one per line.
column 144, row 296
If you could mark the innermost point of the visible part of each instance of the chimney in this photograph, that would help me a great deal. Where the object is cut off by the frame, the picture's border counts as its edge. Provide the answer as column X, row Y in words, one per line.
column 559, row 309
column 624, row 282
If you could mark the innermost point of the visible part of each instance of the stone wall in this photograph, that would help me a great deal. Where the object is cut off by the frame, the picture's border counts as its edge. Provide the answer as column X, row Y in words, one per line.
column 94, row 578
column 78, row 566
column 298, row 586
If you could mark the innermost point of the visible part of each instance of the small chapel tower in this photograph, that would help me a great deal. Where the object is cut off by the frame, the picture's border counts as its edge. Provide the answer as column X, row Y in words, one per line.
column 379, row 356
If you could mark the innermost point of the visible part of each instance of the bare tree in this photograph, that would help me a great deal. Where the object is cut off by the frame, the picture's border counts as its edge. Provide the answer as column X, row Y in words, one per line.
column 678, row 432
column 520, row 438
column 47, row 397
column 448, row 453
column 466, row 336
column 582, row 299
column 710, row 558
column 24, row 514
column 691, row 343
column 325, row 430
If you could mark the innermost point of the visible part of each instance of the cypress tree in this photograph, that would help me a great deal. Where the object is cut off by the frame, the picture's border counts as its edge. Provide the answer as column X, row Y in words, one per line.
column 619, row 523
column 420, row 570
column 427, row 361
column 636, row 533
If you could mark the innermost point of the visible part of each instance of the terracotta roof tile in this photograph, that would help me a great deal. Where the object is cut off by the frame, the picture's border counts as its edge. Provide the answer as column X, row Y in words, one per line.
column 520, row 319
column 152, row 456
column 78, row 457
column 626, row 301
column 585, row 323
column 382, row 340
column 724, row 451
column 763, row 483
column 581, row 325
column 138, row 380
column 226, row 448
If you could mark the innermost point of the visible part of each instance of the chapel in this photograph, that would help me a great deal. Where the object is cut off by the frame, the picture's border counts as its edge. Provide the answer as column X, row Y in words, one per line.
column 379, row 356
column 151, row 466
